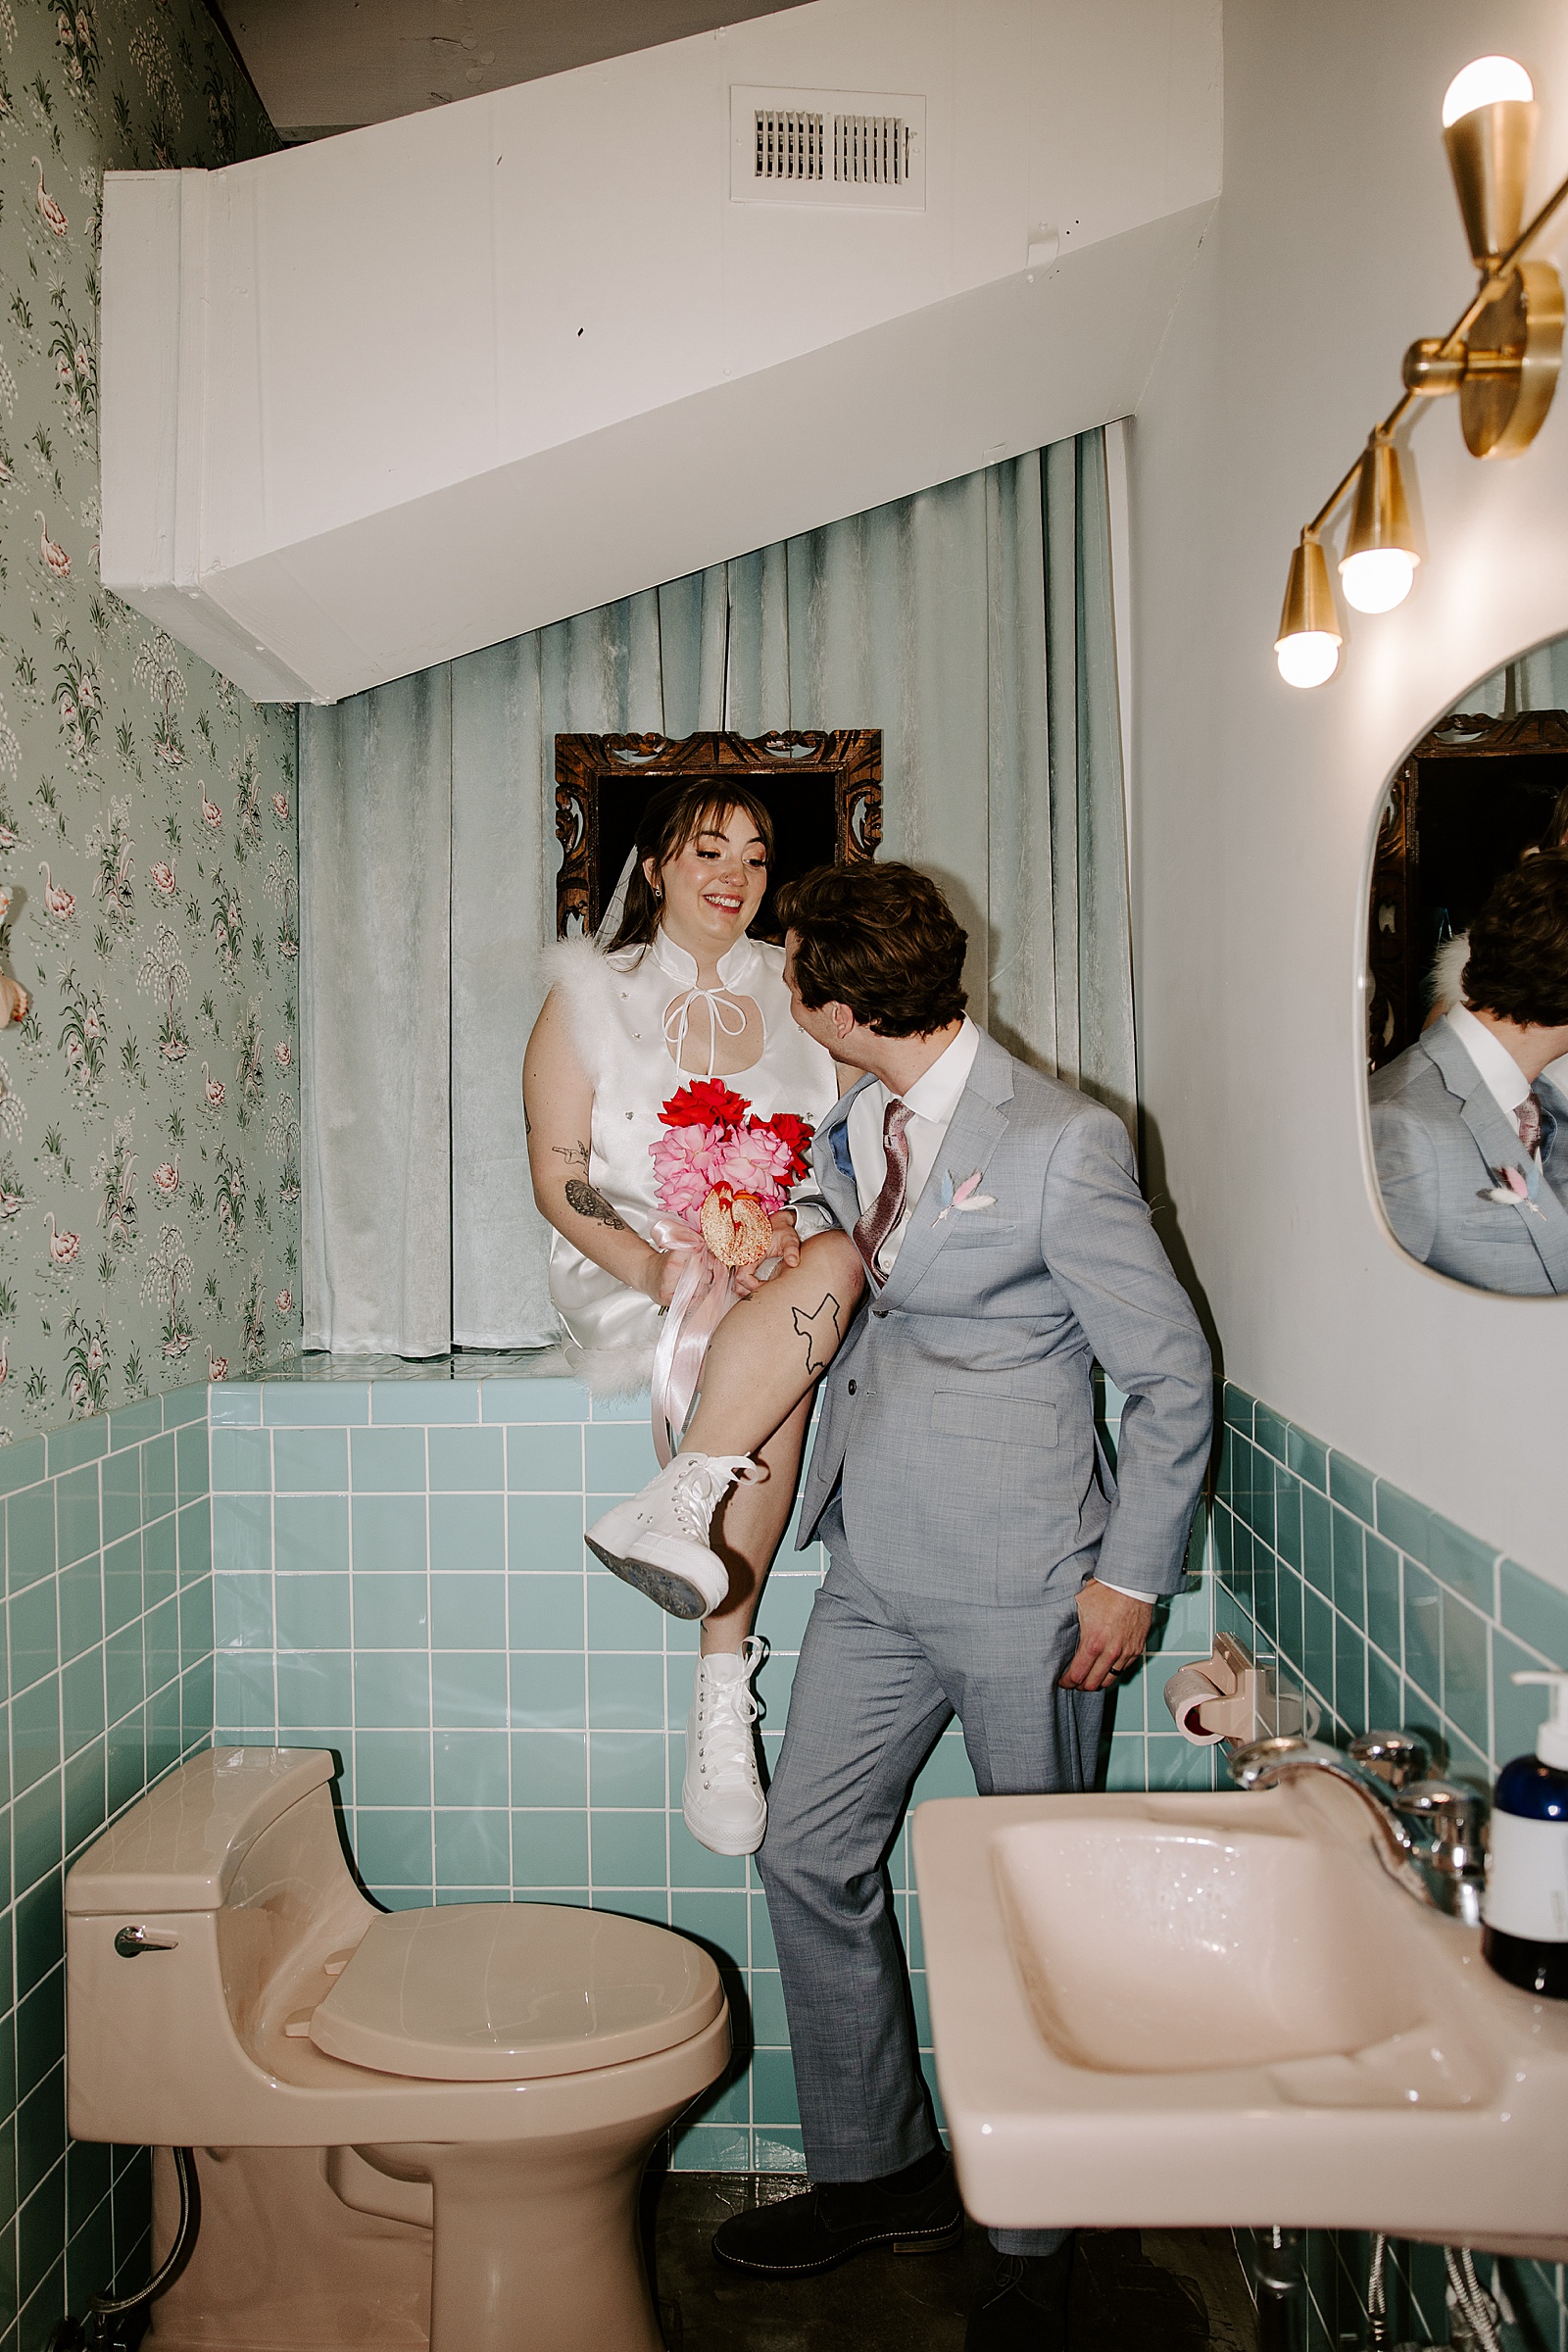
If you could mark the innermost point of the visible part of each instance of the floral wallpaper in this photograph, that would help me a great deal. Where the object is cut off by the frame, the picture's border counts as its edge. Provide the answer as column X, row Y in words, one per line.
column 149, row 1101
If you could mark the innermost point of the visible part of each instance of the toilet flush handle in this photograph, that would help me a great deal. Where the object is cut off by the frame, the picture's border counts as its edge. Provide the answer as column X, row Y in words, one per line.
column 131, row 1942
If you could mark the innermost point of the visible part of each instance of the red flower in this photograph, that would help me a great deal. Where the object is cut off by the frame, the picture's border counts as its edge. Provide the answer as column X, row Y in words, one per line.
column 797, row 1133
column 706, row 1104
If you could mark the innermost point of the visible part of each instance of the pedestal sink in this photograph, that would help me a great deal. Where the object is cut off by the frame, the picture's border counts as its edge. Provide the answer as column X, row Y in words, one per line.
column 1191, row 2011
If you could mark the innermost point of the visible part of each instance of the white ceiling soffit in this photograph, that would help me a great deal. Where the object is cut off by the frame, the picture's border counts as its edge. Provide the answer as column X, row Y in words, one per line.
column 321, row 65
column 376, row 402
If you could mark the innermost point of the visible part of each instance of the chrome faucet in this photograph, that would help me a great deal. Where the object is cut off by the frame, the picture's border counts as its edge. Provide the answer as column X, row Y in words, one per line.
column 1428, row 1831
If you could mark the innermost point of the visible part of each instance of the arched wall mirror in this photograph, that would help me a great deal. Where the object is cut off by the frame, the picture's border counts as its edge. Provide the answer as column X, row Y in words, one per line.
column 1467, row 987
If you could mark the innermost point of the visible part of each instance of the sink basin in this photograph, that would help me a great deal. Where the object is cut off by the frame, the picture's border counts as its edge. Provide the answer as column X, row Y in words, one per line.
column 1196, row 2011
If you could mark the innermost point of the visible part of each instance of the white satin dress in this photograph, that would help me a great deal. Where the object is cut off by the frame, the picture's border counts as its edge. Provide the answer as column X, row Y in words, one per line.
column 625, row 1012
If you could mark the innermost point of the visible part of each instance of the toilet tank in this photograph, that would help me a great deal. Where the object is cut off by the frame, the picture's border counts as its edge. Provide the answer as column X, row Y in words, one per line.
column 185, row 1921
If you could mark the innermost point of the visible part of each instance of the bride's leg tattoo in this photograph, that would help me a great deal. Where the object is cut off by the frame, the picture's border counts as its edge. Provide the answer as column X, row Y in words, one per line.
column 821, row 1331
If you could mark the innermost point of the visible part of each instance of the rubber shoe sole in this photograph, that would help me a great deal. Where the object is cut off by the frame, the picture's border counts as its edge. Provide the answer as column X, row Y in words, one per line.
column 675, row 1594
column 934, row 2240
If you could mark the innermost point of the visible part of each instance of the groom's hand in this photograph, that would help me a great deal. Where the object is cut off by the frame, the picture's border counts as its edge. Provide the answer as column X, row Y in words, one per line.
column 786, row 1252
column 1112, row 1629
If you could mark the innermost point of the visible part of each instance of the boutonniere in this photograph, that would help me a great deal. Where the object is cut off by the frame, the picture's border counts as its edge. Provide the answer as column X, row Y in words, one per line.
column 961, row 1197
column 1516, row 1190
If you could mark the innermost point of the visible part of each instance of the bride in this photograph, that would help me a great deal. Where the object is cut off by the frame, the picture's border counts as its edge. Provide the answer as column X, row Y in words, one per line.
column 681, row 994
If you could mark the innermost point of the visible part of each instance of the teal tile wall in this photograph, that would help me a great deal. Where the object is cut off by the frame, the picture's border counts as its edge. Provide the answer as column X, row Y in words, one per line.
column 107, row 1683
column 393, row 1567
column 1386, row 1614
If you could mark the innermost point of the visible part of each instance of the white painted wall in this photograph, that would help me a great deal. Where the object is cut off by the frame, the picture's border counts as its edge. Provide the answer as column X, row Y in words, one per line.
column 452, row 376
column 1336, row 241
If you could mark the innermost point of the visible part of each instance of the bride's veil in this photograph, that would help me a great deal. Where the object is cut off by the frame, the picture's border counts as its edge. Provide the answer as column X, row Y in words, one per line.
column 609, row 921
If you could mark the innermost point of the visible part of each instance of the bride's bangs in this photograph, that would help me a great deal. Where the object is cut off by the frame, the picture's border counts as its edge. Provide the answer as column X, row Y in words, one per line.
column 709, row 814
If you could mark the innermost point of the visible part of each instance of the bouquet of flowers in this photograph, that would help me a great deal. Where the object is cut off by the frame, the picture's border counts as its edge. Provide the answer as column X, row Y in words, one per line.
column 725, row 1171
column 723, row 1174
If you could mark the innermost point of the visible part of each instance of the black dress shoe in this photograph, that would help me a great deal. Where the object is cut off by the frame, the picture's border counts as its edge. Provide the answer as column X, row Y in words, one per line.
column 828, row 2224
column 1024, row 2308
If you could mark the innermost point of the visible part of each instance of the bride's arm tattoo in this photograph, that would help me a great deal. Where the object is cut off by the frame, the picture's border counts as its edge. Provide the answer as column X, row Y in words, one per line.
column 821, row 1333
column 583, row 1196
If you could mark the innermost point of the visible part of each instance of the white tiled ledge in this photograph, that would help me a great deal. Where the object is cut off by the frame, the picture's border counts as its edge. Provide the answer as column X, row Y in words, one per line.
column 470, row 1384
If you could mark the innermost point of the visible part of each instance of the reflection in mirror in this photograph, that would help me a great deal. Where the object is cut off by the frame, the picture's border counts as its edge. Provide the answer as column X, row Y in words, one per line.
column 1467, row 988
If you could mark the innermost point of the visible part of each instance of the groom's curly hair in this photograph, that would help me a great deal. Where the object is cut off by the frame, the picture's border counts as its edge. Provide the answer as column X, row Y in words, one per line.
column 1518, row 966
column 880, row 939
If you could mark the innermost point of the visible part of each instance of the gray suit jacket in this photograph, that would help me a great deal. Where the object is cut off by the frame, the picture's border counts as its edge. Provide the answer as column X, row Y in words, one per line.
column 959, row 1412
column 1438, row 1139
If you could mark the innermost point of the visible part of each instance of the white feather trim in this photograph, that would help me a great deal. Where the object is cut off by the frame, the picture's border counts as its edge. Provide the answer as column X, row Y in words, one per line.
column 610, row 1372
column 1446, row 975
column 582, row 977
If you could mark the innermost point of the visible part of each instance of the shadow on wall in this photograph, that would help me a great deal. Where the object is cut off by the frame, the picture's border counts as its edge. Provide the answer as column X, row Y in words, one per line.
column 1167, row 1224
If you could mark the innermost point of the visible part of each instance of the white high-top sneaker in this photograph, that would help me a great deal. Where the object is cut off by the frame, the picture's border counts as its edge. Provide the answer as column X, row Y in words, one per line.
column 721, row 1797
column 658, row 1540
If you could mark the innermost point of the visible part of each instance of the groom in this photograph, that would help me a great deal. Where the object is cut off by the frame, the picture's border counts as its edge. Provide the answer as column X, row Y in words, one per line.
column 984, row 1564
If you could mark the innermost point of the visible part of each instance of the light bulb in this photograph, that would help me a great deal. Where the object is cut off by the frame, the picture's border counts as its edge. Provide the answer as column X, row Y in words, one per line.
column 1483, row 83
column 1377, row 580
column 1308, row 659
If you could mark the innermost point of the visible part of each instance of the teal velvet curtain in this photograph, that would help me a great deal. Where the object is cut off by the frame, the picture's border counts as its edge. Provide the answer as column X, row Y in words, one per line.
column 972, row 623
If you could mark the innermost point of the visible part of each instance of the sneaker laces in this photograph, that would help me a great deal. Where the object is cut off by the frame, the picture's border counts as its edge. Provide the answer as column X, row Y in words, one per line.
column 698, row 1491
column 725, row 1713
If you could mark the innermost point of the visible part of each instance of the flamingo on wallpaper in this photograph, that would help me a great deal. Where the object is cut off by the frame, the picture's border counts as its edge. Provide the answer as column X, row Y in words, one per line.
column 61, row 902
column 54, row 217
column 216, row 1365
column 63, row 1246
column 55, row 562
column 5, row 1359
column 212, row 814
column 215, row 1089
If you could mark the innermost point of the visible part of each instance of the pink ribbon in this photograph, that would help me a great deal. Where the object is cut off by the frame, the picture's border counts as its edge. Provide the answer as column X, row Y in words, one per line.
column 703, row 1297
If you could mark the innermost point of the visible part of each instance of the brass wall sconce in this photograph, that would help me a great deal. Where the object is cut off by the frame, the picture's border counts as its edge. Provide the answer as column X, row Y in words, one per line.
column 1501, row 358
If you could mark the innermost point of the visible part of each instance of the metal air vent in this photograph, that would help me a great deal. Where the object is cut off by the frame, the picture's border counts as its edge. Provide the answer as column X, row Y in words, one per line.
column 852, row 148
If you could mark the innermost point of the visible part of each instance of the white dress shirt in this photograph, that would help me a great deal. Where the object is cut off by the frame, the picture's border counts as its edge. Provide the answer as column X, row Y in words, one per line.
column 1505, row 1080
column 931, row 1103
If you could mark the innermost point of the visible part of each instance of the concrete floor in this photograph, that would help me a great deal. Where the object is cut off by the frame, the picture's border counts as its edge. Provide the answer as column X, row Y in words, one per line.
column 1167, row 2292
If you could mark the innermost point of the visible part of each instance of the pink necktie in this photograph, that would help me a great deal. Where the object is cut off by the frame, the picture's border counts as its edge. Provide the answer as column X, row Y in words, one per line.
column 1528, row 1116
column 872, row 1229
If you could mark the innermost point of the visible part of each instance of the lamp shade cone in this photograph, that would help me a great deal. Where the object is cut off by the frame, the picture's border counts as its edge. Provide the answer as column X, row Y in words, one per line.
column 1380, row 555
column 1488, row 155
column 1309, row 606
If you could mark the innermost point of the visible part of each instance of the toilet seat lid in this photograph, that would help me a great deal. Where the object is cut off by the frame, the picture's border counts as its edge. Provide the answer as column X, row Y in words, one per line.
column 501, row 1993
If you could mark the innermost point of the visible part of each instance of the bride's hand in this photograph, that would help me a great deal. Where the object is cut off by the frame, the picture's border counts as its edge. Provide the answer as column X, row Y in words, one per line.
column 660, row 1274
column 786, row 1252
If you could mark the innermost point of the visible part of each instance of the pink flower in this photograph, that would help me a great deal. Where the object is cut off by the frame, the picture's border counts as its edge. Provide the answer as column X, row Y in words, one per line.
column 280, row 806
column 283, row 1301
column 163, row 880
column 756, row 1160
column 166, row 1178
column 282, row 1054
column 686, row 1167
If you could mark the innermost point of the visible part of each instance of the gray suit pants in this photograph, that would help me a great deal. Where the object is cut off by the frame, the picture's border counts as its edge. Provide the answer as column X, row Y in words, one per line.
column 881, row 1674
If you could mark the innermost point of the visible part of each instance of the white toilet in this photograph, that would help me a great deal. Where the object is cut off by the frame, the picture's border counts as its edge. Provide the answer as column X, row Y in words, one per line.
column 467, row 2096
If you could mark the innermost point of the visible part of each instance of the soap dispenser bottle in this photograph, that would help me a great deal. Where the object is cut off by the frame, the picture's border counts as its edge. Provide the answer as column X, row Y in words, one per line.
column 1526, row 1906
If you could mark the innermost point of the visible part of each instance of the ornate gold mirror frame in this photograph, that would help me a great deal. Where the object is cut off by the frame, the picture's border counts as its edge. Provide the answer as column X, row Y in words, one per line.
column 821, row 787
